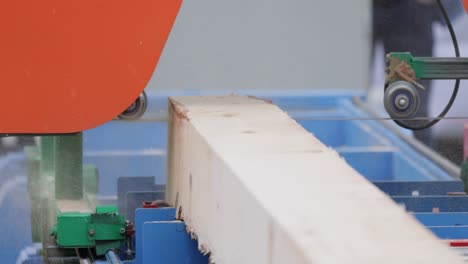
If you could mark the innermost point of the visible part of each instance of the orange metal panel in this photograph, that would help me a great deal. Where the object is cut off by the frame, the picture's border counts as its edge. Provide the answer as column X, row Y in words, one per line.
column 67, row 66
column 465, row 3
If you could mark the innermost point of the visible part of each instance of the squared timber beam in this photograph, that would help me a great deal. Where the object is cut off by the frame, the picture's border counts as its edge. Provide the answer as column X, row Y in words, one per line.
column 255, row 187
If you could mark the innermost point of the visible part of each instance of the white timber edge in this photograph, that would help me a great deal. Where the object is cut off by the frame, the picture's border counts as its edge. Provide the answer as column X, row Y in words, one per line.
column 253, row 186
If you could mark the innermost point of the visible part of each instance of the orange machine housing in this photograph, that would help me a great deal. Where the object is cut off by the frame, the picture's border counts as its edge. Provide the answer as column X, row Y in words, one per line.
column 465, row 3
column 67, row 66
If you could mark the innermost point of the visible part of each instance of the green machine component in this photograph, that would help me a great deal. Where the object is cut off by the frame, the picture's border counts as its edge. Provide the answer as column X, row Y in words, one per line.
column 103, row 230
column 403, row 66
column 62, row 194
column 402, row 86
column 56, row 171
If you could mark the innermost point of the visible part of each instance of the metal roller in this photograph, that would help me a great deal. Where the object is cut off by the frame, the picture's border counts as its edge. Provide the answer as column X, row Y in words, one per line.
column 401, row 100
column 137, row 109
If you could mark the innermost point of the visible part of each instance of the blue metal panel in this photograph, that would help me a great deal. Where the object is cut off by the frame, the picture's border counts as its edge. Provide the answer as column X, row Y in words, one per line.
column 450, row 232
column 331, row 133
column 338, row 133
column 147, row 215
column 374, row 165
column 406, row 169
column 357, row 135
column 442, row 219
column 426, row 204
column 408, row 188
column 169, row 242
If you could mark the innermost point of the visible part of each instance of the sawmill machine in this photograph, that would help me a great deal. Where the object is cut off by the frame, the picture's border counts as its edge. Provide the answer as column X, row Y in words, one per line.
column 65, row 69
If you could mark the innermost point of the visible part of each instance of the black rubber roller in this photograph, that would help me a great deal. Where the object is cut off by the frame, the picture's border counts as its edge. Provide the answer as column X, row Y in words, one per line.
column 401, row 100
column 137, row 109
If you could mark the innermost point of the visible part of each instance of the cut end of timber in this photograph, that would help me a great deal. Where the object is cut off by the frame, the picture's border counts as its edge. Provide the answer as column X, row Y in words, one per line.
column 178, row 109
column 255, row 187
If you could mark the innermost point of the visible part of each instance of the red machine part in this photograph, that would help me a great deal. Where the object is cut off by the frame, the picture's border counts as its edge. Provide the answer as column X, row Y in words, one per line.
column 458, row 243
column 67, row 66
column 465, row 3
column 149, row 205
column 155, row 204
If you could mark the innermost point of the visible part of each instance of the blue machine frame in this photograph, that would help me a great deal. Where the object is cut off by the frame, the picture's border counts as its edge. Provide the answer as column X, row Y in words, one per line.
column 137, row 149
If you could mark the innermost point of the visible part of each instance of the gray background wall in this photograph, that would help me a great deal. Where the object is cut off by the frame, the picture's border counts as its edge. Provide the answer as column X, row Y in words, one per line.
column 267, row 44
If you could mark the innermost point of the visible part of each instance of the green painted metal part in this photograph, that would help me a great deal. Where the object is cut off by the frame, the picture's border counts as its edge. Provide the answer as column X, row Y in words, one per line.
column 57, row 178
column 56, row 171
column 103, row 230
column 69, row 167
column 426, row 67
column 47, row 154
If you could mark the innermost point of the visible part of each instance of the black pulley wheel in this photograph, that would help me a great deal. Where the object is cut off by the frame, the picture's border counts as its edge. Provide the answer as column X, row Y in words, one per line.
column 136, row 109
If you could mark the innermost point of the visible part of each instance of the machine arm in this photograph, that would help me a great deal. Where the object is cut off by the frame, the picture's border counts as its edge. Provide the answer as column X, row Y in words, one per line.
column 403, row 66
column 401, row 98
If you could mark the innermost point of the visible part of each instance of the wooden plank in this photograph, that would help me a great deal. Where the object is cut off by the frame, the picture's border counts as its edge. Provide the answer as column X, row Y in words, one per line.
column 255, row 187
